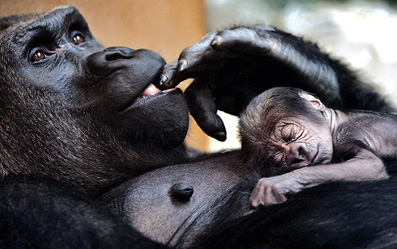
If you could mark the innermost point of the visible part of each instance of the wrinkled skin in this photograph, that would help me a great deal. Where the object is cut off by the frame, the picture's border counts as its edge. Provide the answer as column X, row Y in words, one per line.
column 233, row 66
column 300, row 140
column 299, row 135
column 303, row 136
column 219, row 84
column 74, row 136
column 81, row 97
column 70, row 119
column 287, row 127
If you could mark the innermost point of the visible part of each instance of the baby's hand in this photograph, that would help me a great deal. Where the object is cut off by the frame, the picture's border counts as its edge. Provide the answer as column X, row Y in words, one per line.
column 273, row 190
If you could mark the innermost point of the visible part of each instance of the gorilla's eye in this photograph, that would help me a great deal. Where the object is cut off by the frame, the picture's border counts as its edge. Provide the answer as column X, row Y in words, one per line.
column 288, row 133
column 278, row 157
column 78, row 39
column 38, row 56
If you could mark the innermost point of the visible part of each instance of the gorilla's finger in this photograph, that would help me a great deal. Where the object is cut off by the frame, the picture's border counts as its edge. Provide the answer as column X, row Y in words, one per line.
column 243, row 40
column 194, row 54
column 236, row 39
column 198, row 58
column 258, row 195
column 189, row 64
column 203, row 108
column 170, row 76
column 278, row 195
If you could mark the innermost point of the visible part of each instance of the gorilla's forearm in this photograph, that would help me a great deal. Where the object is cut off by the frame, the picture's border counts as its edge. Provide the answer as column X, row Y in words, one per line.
column 274, row 190
column 330, row 79
column 233, row 66
column 304, row 59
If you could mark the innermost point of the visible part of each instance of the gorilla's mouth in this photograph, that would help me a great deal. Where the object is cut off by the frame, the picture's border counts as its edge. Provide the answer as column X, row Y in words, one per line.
column 151, row 92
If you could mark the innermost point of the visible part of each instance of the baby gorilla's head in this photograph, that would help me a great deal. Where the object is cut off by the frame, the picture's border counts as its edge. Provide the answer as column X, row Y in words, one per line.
column 285, row 128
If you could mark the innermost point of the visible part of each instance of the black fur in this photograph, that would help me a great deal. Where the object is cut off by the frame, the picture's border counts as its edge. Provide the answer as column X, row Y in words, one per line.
column 71, row 131
column 58, row 131
column 44, row 214
column 226, row 74
column 58, row 116
column 333, row 215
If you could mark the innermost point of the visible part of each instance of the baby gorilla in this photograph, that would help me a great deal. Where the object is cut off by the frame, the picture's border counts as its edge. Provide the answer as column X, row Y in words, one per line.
column 290, row 130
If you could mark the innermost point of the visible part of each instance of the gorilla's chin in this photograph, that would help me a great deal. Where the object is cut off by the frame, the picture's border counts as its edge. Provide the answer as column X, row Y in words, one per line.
column 161, row 118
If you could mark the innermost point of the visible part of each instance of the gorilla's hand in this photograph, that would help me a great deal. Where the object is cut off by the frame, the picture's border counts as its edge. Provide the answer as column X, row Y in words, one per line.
column 233, row 66
column 274, row 190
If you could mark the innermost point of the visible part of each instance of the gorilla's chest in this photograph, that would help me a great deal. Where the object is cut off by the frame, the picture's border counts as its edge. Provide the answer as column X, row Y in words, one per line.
column 150, row 206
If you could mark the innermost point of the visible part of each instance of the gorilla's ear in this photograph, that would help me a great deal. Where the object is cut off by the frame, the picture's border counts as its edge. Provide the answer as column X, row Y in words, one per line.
column 316, row 103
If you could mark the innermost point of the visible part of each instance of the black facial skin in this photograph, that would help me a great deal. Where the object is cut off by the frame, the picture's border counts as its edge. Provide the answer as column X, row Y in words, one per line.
column 58, row 83
column 72, row 127
column 73, row 140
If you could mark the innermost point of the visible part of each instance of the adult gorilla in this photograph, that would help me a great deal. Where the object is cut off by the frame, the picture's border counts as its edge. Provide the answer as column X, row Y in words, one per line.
column 78, row 121
column 230, row 68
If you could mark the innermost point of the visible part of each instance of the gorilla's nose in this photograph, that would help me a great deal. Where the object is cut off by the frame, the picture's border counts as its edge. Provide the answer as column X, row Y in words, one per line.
column 109, row 60
column 114, row 53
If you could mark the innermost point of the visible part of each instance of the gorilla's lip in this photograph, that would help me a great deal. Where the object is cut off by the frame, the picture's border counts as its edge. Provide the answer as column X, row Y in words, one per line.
column 150, row 93
column 150, row 90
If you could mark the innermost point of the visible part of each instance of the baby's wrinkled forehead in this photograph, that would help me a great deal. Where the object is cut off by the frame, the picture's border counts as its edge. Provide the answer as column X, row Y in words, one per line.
column 257, row 149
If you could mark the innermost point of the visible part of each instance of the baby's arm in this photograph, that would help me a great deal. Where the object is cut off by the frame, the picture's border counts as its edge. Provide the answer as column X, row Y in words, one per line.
column 364, row 166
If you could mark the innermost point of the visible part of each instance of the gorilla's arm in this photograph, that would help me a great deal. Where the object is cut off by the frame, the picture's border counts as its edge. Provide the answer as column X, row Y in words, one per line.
column 333, row 215
column 42, row 214
column 233, row 66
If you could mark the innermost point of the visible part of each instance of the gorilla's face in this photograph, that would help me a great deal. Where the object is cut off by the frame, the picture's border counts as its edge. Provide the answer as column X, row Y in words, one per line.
column 55, row 54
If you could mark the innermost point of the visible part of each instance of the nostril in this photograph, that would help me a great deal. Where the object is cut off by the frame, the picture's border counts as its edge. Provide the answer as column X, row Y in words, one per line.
column 301, row 153
column 297, row 153
column 115, row 53
column 113, row 57
column 109, row 60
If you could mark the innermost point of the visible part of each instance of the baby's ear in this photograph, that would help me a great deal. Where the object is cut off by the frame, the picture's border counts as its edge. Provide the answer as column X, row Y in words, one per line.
column 316, row 103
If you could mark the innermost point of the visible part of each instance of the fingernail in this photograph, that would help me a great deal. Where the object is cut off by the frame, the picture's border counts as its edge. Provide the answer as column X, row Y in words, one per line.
column 182, row 65
column 220, row 135
column 217, row 39
column 163, row 79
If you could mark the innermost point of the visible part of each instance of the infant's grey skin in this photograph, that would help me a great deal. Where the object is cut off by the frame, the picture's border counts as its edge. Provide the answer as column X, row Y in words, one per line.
column 290, row 128
column 80, row 122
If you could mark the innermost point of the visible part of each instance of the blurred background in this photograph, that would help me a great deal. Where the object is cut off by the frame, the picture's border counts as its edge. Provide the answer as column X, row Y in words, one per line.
column 360, row 33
